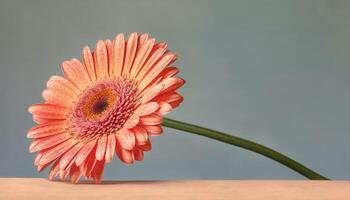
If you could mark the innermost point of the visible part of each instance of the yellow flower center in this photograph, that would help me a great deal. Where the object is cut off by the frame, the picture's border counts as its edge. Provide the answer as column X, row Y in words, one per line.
column 98, row 103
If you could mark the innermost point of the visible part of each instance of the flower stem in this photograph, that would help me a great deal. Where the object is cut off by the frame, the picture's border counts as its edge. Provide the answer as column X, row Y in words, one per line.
column 246, row 144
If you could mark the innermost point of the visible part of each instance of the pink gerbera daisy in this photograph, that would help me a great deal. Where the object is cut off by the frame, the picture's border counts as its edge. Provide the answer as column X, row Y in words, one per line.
column 110, row 103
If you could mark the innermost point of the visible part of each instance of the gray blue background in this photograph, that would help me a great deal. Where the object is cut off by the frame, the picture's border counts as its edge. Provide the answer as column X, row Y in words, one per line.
column 276, row 72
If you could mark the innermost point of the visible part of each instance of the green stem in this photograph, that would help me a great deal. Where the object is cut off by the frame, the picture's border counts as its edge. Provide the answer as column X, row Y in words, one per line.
column 246, row 144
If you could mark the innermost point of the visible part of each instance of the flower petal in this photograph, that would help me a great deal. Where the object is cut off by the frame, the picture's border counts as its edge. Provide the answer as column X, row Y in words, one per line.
column 97, row 172
column 130, row 52
column 57, row 151
column 42, row 167
column 62, row 85
column 54, row 97
column 101, row 148
column 75, row 173
column 109, row 56
column 89, row 63
column 154, row 130
column 170, row 98
column 147, row 108
column 154, row 57
column 76, row 73
column 124, row 155
column 54, row 170
column 118, row 51
column 159, row 45
column 38, row 157
column 47, row 129
column 126, row 139
column 89, row 164
column 142, row 39
column 152, row 119
column 110, row 148
column 101, row 60
column 170, row 72
column 69, row 156
column 84, row 152
column 165, row 108
column 41, row 120
column 63, row 174
column 47, row 142
column 171, row 84
column 138, row 154
column 132, row 121
column 141, row 135
column 156, row 69
column 151, row 93
column 48, row 111
column 145, row 147
column 141, row 57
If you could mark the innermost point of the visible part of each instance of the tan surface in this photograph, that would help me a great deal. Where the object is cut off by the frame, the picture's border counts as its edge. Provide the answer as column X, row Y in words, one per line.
column 24, row 188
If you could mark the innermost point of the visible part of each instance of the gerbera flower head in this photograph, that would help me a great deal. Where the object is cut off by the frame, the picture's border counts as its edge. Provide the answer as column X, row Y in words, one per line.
column 112, row 102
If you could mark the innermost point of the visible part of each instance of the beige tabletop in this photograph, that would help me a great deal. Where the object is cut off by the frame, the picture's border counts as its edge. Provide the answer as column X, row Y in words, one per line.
column 36, row 189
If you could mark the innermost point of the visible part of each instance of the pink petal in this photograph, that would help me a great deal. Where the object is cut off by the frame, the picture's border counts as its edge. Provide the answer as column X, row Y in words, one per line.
column 138, row 154
column 118, row 51
column 150, row 94
column 152, row 119
column 160, row 45
column 75, row 173
column 84, row 152
column 157, row 68
column 142, row 39
column 47, row 129
column 54, row 97
column 124, row 155
column 169, row 97
column 101, row 148
column 38, row 157
column 173, row 84
column 155, row 56
column 110, row 148
column 147, row 108
column 141, row 57
column 165, row 108
column 140, row 135
column 101, row 60
column 145, row 147
column 132, row 121
column 175, row 104
column 89, row 164
column 130, row 52
column 89, row 63
column 170, row 72
column 98, row 171
column 48, row 111
column 54, row 170
column 40, row 168
column 76, row 73
column 109, row 56
column 47, row 142
column 62, row 85
column 154, row 130
column 57, row 151
column 69, row 156
column 126, row 139
column 40, row 120
column 63, row 174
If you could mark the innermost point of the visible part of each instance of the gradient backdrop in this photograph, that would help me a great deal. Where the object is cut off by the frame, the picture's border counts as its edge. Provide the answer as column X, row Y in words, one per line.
column 276, row 72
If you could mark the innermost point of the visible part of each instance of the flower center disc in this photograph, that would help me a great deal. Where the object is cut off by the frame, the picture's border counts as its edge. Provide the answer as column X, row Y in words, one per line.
column 96, row 104
column 99, row 106
column 103, row 109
